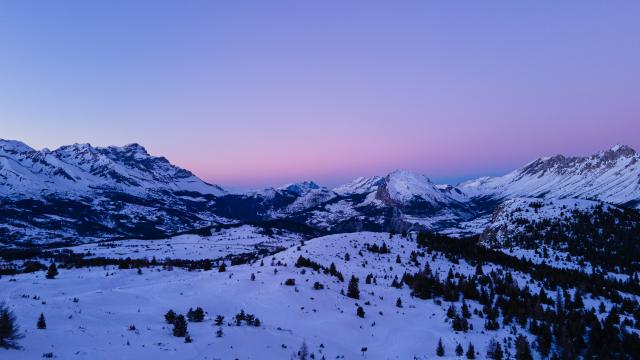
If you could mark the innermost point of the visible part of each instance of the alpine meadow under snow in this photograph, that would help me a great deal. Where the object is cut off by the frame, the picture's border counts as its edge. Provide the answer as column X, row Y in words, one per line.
column 110, row 251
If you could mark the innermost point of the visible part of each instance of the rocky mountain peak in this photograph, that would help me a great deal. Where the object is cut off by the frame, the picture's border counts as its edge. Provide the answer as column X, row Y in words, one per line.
column 301, row 187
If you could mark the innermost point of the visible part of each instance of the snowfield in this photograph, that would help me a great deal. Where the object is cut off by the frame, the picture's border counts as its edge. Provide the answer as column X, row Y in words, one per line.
column 96, row 325
column 233, row 241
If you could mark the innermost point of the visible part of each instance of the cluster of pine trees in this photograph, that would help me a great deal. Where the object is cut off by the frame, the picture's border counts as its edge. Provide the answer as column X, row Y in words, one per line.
column 605, row 237
column 563, row 327
column 303, row 262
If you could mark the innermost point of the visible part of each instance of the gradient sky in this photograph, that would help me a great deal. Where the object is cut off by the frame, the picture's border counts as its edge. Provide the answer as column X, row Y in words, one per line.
column 256, row 93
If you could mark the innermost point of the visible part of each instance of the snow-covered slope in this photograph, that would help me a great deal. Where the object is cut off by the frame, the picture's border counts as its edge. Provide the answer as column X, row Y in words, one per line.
column 361, row 185
column 94, row 313
column 611, row 176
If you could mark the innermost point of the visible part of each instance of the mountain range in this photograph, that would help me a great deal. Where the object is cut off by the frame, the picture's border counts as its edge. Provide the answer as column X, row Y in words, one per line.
column 81, row 193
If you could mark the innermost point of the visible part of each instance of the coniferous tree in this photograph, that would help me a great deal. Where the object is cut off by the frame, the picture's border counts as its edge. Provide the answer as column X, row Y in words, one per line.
column 170, row 317
column 440, row 348
column 219, row 320
column 303, row 353
column 451, row 311
column 180, row 326
column 42, row 324
column 523, row 351
column 471, row 352
column 399, row 303
column 360, row 312
column 459, row 350
column 465, row 310
column 196, row 315
column 240, row 317
column 219, row 332
column 577, row 300
column 353, row 290
column 544, row 341
column 9, row 330
column 52, row 272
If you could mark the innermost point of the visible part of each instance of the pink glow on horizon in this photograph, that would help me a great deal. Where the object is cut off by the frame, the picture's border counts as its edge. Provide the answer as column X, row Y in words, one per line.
column 251, row 94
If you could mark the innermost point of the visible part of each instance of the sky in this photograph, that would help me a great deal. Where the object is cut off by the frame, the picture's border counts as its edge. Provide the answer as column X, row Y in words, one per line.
column 260, row 93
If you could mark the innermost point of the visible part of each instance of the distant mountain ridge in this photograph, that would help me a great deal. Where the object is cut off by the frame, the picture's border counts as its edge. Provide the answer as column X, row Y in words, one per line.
column 611, row 176
column 80, row 168
column 80, row 192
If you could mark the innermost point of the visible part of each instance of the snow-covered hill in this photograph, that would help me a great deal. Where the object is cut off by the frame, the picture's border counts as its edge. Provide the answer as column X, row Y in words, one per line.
column 90, row 312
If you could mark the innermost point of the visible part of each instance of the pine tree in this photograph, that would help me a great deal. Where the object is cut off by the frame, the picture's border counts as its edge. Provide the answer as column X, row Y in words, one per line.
column 360, row 312
column 180, row 326
column 170, row 317
column 523, row 351
column 353, row 290
column 465, row 310
column 52, row 272
column 471, row 352
column 303, row 353
column 219, row 332
column 440, row 348
column 577, row 300
column 451, row 311
column 399, row 303
column 219, row 320
column 253, row 277
column 196, row 315
column 42, row 324
column 545, row 339
column 459, row 350
column 240, row 317
column 9, row 330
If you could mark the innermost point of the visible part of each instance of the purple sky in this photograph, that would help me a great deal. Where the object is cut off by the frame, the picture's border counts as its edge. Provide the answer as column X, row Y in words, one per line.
column 249, row 94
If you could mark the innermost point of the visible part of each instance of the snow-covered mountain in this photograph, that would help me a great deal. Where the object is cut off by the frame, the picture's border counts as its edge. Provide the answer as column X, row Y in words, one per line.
column 85, row 192
column 80, row 191
column 611, row 176
column 81, row 168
